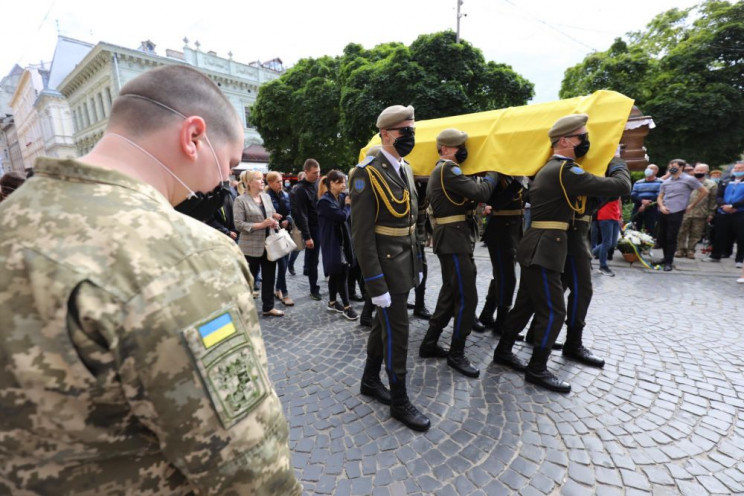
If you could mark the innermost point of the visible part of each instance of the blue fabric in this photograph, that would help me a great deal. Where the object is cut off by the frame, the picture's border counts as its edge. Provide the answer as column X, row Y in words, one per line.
column 458, row 317
column 332, row 216
column 610, row 230
column 551, row 312
column 733, row 194
column 281, row 274
column 645, row 190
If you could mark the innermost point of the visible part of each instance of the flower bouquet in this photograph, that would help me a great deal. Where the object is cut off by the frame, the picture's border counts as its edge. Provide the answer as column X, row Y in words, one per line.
column 635, row 246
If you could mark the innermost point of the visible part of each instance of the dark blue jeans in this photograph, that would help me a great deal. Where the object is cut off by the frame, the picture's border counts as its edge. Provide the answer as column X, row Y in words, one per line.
column 311, row 263
column 610, row 230
column 281, row 274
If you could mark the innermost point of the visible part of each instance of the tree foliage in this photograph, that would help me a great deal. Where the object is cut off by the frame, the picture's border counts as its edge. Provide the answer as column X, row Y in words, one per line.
column 326, row 108
column 687, row 71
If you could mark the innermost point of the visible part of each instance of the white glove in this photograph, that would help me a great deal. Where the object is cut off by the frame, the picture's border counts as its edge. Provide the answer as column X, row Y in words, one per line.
column 382, row 301
column 421, row 277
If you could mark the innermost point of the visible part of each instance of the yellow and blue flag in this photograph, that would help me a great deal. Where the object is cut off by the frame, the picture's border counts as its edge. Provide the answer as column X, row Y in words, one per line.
column 217, row 330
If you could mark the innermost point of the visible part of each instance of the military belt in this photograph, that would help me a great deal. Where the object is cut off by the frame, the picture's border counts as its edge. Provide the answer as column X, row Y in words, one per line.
column 395, row 231
column 453, row 218
column 586, row 218
column 508, row 212
column 549, row 224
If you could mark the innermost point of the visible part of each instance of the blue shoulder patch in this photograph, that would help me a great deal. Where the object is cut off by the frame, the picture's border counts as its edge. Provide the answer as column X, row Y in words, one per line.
column 577, row 170
column 456, row 171
column 364, row 163
column 359, row 185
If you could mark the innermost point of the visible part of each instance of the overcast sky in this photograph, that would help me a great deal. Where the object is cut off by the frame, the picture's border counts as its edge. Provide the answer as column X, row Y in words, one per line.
column 538, row 38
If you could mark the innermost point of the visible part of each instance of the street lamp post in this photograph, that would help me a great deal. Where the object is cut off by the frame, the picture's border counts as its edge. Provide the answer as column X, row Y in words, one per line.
column 459, row 15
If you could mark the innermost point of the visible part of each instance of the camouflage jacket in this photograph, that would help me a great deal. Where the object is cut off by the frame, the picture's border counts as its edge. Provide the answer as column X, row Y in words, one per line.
column 131, row 360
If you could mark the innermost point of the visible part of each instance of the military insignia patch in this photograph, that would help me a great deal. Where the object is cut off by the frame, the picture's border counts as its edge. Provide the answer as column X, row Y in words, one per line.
column 577, row 170
column 456, row 171
column 359, row 185
column 229, row 368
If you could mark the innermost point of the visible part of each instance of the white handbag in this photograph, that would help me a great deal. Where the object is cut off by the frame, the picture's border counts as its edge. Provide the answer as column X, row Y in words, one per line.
column 279, row 244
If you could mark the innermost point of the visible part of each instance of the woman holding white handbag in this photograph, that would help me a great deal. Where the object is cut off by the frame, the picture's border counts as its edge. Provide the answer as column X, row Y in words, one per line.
column 254, row 218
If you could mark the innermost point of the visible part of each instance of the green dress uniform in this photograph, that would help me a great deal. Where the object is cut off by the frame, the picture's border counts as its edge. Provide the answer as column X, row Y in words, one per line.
column 132, row 360
column 452, row 197
column 559, row 191
column 384, row 208
column 502, row 235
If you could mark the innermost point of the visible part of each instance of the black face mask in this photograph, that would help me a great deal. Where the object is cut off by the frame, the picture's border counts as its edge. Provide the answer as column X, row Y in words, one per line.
column 461, row 155
column 202, row 206
column 700, row 175
column 583, row 147
column 404, row 144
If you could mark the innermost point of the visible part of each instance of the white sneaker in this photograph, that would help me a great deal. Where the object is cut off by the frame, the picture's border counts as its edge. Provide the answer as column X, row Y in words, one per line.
column 740, row 280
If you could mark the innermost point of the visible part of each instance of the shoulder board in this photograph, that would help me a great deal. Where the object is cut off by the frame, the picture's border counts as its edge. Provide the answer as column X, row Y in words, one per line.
column 577, row 170
column 364, row 163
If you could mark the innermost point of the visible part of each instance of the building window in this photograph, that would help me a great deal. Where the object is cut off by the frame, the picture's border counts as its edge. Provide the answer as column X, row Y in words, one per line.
column 108, row 96
column 93, row 112
column 86, row 115
column 74, row 120
column 248, row 122
column 100, row 106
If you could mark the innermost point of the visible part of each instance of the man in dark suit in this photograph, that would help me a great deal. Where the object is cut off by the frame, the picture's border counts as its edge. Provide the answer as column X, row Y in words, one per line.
column 384, row 208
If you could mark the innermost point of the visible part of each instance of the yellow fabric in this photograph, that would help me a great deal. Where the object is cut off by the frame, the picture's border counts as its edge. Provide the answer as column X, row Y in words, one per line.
column 549, row 224
column 515, row 140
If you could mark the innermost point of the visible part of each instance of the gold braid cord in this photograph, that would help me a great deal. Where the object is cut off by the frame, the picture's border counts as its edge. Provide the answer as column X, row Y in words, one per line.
column 441, row 180
column 381, row 187
column 580, row 206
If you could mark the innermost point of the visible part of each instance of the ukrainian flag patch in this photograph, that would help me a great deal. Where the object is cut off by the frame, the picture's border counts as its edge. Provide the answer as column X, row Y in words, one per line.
column 217, row 330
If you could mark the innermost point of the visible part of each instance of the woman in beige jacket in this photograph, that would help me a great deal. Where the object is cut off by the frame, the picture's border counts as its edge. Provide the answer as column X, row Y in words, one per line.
column 254, row 217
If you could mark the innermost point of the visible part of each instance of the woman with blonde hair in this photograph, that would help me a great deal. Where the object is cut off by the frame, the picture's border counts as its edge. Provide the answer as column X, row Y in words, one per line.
column 254, row 217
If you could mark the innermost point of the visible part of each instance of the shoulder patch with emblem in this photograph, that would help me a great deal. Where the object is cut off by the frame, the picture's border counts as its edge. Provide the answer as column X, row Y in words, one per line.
column 364, row 163
column 359, row 185
column 228, row 365
column 456, row 171
column 577, row 170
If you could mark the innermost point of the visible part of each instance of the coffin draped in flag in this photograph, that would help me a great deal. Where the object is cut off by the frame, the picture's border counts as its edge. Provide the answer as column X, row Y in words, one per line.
column 515, row 140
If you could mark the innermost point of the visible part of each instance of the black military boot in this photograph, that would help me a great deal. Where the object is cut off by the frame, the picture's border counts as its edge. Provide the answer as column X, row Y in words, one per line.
column 365, row 319
column 457, row 360
column 371, row 383
column 430, row 347
column 538, row 374
column 402, row 409
column 477, row 325
column 486, row 315
column 419, row 307
column 498, row 324
column 575, row 350
column 504, row 355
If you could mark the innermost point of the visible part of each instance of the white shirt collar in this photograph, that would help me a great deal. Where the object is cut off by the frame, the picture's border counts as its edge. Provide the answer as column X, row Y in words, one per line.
column 394, row 161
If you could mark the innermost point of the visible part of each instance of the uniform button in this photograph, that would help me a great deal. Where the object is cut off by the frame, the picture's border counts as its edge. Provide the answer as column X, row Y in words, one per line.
column 557, row 239
column 388, row 256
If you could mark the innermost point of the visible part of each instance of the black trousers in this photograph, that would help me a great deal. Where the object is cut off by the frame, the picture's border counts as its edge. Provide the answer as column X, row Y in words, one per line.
column 389, row 336
column 577, row 279
column 268, row 275
column 729, row 227
column 502, row 237
column 458, row 296
column 540, row 291
column 420, row 290
column 338, row 284
column 669, row 225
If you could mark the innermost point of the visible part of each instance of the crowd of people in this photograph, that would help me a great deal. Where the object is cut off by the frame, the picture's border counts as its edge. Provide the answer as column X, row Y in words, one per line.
column 151, row 347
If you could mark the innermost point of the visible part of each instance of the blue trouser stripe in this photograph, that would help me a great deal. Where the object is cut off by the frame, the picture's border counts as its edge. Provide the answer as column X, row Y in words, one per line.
column 551, row 315
column 458, row 319
column 574, row 290
column 392, row 375
column 502, row 277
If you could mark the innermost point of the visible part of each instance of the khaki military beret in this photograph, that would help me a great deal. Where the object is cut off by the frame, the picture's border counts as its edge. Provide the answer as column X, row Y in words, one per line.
column 394, row 115
column 566, row 125
column 451, row 137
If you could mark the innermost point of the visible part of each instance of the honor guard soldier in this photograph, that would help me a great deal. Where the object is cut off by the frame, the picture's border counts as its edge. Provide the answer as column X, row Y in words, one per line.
column 383, row 227
column 452, row 198
column 502, row 235
column 559, row 191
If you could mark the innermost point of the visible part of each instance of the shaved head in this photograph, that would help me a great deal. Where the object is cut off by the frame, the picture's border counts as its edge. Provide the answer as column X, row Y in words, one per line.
column 144, row 103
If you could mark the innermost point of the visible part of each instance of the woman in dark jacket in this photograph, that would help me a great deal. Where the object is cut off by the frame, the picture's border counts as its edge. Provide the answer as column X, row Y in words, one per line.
column 334, row 210
column 280, row 199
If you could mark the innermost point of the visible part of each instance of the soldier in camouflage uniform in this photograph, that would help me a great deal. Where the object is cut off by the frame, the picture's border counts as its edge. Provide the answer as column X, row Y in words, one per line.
column 557, row 194
column 132, row 360
column 384, row 208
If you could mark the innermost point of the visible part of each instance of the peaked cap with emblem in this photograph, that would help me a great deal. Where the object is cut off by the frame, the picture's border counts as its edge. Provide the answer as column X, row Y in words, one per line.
column 566, row 125
column 451, row 137
column 394, row 115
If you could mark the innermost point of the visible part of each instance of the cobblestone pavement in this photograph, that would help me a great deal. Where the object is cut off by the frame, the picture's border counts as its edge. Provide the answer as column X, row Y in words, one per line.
column 665, row 415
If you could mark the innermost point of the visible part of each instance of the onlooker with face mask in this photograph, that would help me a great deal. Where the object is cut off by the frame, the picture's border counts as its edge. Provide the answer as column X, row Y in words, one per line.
column 729, row 218
column 674, row 201
column 644, row 195
column 694, row 221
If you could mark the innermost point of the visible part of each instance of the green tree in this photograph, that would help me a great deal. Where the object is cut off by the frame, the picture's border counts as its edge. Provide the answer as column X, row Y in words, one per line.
column 326, row 108
column 687, row 71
